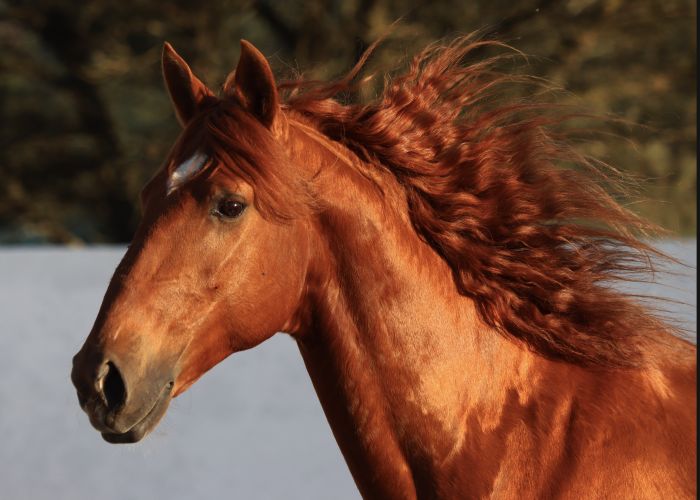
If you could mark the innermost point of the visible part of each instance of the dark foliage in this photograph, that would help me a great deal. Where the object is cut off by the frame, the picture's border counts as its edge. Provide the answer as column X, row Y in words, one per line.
column 86, row 120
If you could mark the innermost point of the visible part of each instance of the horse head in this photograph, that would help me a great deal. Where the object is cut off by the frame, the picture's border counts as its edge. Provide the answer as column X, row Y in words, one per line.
column 211, row 252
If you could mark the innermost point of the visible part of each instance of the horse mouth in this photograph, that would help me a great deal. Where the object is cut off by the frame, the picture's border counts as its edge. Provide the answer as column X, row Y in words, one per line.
column 144, row 426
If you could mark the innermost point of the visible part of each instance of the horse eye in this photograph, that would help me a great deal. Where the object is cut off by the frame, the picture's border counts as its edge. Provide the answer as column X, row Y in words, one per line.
column 229, row 208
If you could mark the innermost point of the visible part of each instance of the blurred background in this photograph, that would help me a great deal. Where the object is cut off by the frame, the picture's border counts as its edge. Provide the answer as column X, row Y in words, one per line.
column 86, row 120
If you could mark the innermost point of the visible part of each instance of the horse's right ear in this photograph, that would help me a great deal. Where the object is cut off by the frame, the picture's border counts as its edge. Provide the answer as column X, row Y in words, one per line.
column 186, row 90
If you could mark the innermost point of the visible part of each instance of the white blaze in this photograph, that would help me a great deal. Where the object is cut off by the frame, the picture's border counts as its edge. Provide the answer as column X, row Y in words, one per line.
column 185, row 170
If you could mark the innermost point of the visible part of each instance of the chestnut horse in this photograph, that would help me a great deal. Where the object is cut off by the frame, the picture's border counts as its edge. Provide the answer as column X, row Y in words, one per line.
column 444, row 274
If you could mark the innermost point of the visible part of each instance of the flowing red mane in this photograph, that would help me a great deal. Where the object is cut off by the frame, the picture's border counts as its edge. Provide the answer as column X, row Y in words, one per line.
column 492, row 184
column 534, row 244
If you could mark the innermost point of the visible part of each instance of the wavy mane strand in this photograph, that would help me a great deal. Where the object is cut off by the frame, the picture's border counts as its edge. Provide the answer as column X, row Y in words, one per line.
column 535, row 245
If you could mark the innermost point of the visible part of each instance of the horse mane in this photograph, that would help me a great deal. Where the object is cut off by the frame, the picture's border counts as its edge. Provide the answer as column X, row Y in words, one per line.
column 536, row 245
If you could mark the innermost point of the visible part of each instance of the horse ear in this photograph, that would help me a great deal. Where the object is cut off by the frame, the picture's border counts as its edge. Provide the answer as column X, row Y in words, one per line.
column 254, row 84
column 186, row 90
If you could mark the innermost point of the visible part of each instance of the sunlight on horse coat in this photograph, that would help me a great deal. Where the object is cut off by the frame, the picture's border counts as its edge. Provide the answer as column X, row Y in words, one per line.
column 445, row 278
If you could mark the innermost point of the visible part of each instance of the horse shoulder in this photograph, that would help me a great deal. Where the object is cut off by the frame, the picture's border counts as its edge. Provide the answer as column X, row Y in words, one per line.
column 632, row 433
column 590, row 433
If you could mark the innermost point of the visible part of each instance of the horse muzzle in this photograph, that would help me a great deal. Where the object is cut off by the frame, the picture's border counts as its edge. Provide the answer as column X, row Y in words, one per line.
column 122, row 404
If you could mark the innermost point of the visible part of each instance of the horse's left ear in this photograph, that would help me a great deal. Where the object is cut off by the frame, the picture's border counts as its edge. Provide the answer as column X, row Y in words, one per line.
column 186, row 90
column 254, row 84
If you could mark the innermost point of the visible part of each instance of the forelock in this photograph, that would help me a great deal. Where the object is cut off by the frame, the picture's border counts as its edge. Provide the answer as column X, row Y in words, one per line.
column 224, row 136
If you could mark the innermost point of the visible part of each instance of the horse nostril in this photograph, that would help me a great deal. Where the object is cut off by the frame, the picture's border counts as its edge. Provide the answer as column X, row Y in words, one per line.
column 113, row 389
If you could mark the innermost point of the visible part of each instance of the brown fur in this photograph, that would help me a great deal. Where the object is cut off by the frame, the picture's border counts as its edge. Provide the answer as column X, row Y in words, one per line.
column 395, row 240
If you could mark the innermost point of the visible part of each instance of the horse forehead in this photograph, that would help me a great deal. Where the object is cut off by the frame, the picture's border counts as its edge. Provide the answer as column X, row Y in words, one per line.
column 185, row 170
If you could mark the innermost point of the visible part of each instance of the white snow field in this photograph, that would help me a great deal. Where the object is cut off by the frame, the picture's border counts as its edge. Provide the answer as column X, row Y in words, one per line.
column 252, row 428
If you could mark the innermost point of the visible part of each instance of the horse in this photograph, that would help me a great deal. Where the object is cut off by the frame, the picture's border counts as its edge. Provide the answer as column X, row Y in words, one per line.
column 443, row 268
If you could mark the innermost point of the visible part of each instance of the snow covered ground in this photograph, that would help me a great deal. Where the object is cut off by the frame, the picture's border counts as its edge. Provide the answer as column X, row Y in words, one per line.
column 252, row 428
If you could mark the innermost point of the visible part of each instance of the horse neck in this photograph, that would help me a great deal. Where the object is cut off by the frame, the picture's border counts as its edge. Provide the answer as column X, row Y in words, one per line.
column 395, row 353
